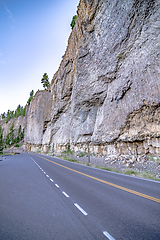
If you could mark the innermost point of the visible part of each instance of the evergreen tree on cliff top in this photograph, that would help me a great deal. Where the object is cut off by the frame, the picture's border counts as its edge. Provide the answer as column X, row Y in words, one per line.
column 31, row 97
column 73, row 22
column 45, row 81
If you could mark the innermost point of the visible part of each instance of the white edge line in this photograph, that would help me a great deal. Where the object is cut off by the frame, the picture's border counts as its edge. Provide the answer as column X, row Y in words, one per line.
column 65, row 194
column 57, row 185
column 51, row 180
column 47, row 176
column 80, row 209
column 125, row 175
column 108, row 235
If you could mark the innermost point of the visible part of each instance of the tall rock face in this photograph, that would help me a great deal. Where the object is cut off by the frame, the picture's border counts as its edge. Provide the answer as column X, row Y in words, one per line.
column 106, row 92
column 37, row 119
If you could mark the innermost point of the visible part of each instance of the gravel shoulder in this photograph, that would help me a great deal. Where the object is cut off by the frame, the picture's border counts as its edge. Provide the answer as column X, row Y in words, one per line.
column 146, row 166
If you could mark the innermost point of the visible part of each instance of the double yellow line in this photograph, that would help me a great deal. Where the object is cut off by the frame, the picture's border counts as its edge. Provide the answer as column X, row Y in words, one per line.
column 108, row 183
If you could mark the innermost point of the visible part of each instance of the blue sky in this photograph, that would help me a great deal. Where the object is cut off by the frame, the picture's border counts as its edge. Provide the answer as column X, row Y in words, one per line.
column 33, row 39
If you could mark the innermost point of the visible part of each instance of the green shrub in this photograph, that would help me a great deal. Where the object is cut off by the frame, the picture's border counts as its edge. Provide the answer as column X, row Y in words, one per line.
column 31, row 97
column 17, row 145
column 130, row 172
column 82, row 154
column 68, row 151
column 73, row 21
column 69, row 159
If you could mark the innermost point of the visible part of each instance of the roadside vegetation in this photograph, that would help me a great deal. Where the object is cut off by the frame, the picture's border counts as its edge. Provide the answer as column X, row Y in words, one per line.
column 82, row 158
column 11, row 139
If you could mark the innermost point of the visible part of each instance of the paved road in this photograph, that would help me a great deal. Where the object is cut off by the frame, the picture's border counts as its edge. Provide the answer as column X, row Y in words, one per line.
column 47, row 198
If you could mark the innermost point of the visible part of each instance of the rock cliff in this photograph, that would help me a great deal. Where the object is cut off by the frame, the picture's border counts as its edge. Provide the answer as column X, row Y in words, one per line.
column 21, row 120
column 106, row 92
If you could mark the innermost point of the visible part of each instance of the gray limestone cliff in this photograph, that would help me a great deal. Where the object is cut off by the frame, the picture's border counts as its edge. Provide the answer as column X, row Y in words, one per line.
column 106, row 92
column 19, row 121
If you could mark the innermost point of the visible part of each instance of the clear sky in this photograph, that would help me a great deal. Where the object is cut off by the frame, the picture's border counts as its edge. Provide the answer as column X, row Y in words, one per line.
column 33, row 39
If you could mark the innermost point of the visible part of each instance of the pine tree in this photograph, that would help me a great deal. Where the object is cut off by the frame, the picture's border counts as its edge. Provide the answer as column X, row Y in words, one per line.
column 31, row 96
column 73, row 21
column 10, row 136
column 45, row 81
column 3, row 115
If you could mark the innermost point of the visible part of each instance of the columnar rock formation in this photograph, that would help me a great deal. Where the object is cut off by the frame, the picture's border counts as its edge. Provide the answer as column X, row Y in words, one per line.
column 106, row 92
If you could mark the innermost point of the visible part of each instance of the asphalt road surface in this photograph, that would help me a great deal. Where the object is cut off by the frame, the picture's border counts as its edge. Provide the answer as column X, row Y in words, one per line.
column 47, row 198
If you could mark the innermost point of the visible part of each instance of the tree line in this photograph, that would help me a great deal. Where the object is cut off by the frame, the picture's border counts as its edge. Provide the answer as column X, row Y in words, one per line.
column 20, row 111
column 11, row 139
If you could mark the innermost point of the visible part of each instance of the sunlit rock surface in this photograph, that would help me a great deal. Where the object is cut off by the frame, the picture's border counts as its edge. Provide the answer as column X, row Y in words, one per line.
column 106, row 92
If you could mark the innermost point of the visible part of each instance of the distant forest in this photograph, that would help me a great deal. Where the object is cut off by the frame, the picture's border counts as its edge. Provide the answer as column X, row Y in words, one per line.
column 20, row 111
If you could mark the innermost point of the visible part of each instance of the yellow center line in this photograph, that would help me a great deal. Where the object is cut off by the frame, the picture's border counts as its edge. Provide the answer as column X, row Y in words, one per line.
column 108, row 183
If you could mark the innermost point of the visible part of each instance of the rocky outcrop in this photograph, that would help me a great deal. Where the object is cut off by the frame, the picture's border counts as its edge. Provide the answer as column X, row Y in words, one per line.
column 21, row 120
column 36, row 120
column 106, row 92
